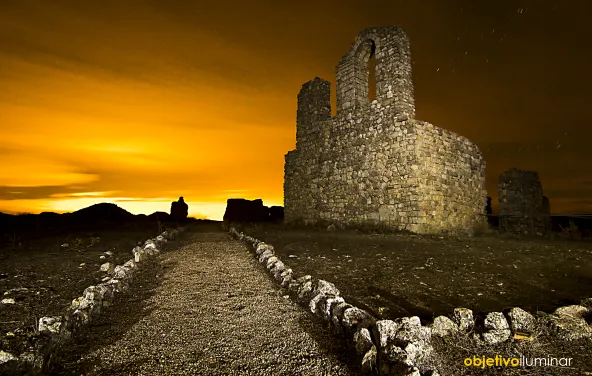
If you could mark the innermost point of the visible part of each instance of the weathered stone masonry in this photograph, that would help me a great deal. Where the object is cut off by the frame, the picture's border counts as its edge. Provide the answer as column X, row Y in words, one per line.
column 373, row 162
column 522, row 207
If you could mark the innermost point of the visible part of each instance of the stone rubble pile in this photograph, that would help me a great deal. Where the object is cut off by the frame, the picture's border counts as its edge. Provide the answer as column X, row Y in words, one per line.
column 86, row 308
column 403, row 346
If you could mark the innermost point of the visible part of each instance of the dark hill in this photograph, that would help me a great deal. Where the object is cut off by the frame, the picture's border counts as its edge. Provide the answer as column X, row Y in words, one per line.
column 103, row 211
column 159, row 216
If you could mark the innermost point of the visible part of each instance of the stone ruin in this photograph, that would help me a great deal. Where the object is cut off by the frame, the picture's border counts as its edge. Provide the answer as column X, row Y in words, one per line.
column 522, row 207
column 179, row 209
column 374, row 162
column 241, row 210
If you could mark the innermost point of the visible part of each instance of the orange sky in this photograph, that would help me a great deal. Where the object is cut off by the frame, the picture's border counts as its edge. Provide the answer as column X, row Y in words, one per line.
column 140, row 102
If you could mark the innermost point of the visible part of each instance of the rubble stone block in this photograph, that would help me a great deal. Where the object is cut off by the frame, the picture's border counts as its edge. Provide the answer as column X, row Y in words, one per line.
column 293, row 287
column 337, row 315
column 271, row 262
column 369, row 360
column 305, row 292
column 355, row 318
column 130, row 264
column 324, row 287
column 265, row 256
column 495, row 321
column 304, row 279
column 107, row 291
column 6, row 357
column 520, row 320
column 50, row 325
column 118, row 285
column 569, row 324
column 286, row 281
column 326, row 305
column 139, row 254
column 463, row 317
column 107, row 267
column 120, row 272
column 443, row 326
column 262, row 247
column 362, row 341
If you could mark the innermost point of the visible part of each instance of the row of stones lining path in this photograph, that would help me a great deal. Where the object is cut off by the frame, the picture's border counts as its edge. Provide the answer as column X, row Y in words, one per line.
column 215, row 311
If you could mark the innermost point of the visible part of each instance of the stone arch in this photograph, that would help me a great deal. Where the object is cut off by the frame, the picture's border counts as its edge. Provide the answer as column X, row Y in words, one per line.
column 362, row 55
column 394, row 85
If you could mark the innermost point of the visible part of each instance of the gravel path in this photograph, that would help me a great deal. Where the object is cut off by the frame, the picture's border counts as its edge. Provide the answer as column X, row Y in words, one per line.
column 216, row 312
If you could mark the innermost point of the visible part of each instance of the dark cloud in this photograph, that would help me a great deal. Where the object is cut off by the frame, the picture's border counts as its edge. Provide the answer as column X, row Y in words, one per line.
column 35, row 193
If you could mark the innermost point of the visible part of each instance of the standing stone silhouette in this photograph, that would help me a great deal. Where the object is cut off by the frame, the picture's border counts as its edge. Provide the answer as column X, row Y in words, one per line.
column 179, row 209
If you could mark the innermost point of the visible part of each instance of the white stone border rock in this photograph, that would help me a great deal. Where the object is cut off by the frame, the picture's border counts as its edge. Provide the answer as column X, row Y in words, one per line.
column 403, row 346
column 86, row 308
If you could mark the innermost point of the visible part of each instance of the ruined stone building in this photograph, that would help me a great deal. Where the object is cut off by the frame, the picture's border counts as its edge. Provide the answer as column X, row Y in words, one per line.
column 374, row 162
column 179, row 209
column 522, row 207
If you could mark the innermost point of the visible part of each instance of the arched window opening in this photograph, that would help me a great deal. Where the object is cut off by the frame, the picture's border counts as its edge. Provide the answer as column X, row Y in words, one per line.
column 364, row 80
column 372, row 74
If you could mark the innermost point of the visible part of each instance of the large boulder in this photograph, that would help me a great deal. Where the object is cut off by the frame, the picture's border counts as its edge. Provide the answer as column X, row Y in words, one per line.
column 179, row 209
column 241, row 210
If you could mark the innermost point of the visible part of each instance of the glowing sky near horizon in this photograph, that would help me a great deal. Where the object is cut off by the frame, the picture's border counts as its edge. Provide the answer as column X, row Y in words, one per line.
column 140, row 102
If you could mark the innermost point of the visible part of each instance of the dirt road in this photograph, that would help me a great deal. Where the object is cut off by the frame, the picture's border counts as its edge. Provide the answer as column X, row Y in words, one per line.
column 212, row 310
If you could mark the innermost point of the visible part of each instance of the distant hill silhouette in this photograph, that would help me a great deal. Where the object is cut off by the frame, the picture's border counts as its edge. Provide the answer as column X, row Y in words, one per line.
column 159, row 216
column 103, row 216
column 103, row 211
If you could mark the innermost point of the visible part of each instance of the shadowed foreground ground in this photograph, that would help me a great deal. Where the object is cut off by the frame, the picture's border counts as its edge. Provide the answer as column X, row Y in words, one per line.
column 215, row 312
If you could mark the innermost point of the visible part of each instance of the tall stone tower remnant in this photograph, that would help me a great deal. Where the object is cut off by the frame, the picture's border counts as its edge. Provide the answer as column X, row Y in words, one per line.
column 374, row 162
column 522, row 207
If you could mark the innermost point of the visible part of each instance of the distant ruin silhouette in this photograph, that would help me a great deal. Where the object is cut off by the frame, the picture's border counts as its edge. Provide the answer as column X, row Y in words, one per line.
column 179, row 209
column 373, row 162
column 522, row 207
column 242, row 210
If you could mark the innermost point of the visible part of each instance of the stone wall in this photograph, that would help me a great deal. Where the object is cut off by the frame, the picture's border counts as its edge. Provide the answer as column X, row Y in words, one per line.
column 373, row 162
column 404, row 346
column 56, row 331
column 522, row 207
